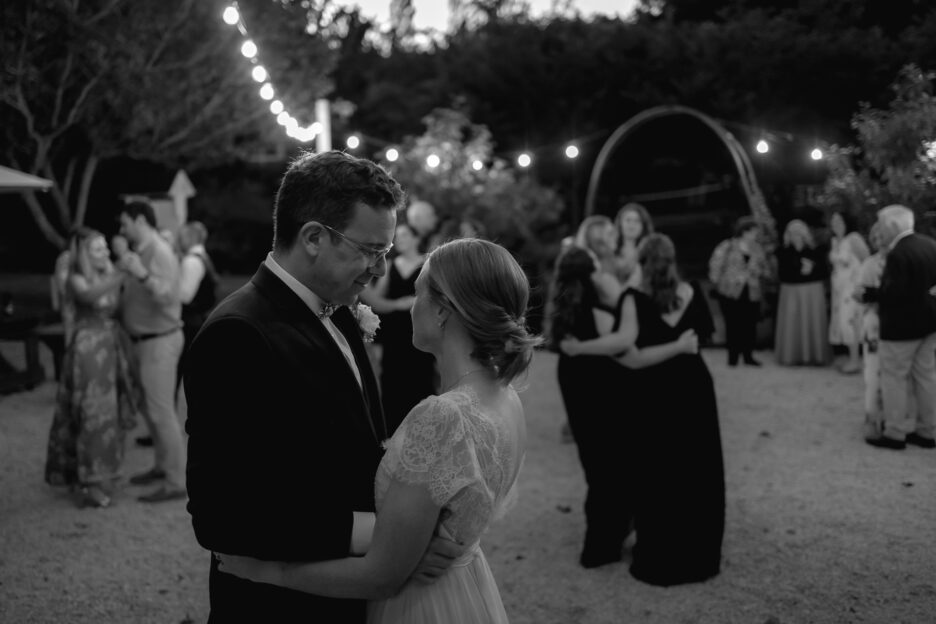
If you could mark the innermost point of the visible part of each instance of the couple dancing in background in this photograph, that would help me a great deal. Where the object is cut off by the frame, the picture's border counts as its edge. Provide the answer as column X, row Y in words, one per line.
column 642, row 407
column 310, row 519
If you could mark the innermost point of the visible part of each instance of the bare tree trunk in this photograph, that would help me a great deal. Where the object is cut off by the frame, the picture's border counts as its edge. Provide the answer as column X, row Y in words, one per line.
column 42, row 221
column 87, row 176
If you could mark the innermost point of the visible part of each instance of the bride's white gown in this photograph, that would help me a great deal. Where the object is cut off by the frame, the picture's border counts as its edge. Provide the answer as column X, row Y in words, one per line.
column 468, row 460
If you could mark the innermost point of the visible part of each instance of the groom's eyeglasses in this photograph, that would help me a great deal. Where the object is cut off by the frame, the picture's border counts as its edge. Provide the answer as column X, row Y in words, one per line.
column 373, row 255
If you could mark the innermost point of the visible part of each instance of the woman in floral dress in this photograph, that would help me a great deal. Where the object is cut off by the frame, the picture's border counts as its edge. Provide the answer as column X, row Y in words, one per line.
column 99, row 393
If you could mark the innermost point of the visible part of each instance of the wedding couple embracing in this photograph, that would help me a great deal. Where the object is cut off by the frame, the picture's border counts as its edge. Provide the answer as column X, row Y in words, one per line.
column 313, row 510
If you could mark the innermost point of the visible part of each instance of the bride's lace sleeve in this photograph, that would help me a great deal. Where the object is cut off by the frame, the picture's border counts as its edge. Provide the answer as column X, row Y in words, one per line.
column 434, row 449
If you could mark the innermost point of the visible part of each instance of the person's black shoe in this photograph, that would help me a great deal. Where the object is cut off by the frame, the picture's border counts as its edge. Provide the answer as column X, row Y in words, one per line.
column 750, row 361
column 144, row 441
column 917, row 440
column 888, row 443
column 590, row 559
column 145, row 478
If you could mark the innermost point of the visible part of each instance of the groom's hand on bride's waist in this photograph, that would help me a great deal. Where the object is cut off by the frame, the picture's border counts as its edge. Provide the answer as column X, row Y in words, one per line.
column 439, row 557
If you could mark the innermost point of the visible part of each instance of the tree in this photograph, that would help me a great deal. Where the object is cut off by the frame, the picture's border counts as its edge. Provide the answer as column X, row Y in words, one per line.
column 894, row 160
column 160, row 80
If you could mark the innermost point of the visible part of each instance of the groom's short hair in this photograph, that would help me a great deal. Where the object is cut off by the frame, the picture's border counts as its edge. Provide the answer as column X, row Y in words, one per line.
column 326, row 187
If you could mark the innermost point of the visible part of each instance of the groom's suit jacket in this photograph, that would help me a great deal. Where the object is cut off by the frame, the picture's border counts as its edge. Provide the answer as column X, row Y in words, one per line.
column 906, row 308
column 283, row 446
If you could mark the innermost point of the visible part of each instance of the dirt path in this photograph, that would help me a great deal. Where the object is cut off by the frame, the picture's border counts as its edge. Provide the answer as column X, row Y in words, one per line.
column 820, row 527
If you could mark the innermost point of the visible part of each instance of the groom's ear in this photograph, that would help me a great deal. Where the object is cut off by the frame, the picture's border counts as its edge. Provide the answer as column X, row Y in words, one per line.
column 310, row 237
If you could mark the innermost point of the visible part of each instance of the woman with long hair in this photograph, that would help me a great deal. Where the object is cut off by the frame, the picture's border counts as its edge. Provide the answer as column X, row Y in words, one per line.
column 597, row 392
column 407, row 375
column 679, row 511
column 99, row 394
column 632, row 225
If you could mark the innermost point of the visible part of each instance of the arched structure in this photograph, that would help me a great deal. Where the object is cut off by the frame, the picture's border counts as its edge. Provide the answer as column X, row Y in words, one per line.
column 749, row 186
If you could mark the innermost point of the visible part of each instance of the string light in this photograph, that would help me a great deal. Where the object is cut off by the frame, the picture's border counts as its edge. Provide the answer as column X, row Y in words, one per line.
column 392, row 154
column 763, row 146
column 571, row 151
column 232, row 17
column 816, row 154
column 433, row 161
column 477, row 165
column 524, row 160
column 353, row 142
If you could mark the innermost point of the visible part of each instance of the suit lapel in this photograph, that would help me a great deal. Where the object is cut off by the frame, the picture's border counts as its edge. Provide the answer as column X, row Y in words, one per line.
column 299, row 316
column 345, row 322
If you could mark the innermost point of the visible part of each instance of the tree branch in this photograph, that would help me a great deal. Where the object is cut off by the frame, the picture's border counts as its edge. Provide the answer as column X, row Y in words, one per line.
column 85, row 189
column 60, row 90
column 61, row 202
column 39, row 216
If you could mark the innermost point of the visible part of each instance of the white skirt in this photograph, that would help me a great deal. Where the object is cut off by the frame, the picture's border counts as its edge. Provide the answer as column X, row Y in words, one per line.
column 466, row 594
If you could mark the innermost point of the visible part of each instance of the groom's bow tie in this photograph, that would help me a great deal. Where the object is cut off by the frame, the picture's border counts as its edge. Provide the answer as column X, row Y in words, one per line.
column 327, row 310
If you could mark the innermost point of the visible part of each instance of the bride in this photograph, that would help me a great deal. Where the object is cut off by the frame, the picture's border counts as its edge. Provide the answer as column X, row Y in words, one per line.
column 451, row 467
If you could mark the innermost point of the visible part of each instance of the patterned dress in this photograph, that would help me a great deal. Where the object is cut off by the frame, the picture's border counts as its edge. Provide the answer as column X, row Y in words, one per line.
column 98, row 398
column 468, row 460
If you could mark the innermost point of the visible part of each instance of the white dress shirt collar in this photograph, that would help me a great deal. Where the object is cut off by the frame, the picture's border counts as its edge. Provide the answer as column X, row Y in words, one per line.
column 312, row 300
column 899, row 237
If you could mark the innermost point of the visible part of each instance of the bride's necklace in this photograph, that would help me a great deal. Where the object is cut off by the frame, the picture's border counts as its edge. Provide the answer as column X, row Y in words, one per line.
column 455, row 383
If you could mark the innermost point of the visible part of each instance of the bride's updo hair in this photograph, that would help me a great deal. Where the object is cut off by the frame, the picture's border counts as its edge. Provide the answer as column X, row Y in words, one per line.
column 484, row 285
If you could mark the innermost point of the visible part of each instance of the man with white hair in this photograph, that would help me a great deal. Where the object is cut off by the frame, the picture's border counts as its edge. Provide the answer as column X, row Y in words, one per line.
column 907, row 348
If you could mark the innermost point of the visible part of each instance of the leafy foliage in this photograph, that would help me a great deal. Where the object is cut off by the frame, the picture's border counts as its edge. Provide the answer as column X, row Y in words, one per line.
column 894, row 160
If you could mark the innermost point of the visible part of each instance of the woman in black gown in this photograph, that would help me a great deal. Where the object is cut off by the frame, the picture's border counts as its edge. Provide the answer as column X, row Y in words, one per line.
column 680, row 486
column 407, row 375
column 586, row 303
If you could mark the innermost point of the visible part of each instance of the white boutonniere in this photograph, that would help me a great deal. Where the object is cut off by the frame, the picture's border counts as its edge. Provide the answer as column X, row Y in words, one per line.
column 367, row 320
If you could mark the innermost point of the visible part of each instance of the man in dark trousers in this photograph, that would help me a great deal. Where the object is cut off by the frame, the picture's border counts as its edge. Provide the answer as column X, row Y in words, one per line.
column 907, row 308
column 285, row 423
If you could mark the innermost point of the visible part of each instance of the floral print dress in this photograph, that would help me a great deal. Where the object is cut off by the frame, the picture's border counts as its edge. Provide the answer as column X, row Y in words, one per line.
column 98, row 398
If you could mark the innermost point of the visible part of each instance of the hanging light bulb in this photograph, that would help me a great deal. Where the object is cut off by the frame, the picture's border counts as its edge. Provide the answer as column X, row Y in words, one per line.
column 571, row 151
column 524, row 160
column 477, row 165
column 276, row 107
column 763, row 146
column 249, row 49
column 282, row 118
column 259, row 73
column 392, row 154
column 266, row 91
column 353, row 141
column 230, row 16
column 433, row 161
column 816, row 154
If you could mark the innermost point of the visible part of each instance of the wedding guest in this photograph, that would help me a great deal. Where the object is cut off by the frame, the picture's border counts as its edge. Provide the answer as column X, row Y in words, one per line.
column 869, row 279
column 848, row 251
column 907, row 348
column 737, row 269
column 425, row 220
column 407, row 375
column 152, row 315
column 802, row 319
column 99, row 393
column 587, row 302
column 632, row 224
column 454, row 461
column 596, row 234
column 198, row 281
column 282, row 395
column 674, row 423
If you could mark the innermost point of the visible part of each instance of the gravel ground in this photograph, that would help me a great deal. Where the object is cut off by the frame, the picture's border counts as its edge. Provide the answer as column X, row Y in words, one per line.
column 821, row 527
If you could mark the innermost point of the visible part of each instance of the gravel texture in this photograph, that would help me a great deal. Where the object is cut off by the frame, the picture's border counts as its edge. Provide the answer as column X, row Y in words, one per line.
column 821, row 527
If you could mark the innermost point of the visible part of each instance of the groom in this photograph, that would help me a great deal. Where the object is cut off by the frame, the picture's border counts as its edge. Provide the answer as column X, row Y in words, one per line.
column 285, row 423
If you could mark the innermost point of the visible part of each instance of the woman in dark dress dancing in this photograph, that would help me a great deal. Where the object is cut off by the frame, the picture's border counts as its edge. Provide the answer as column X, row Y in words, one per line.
column 680, row 491
column 586, row 302
column 407, row 375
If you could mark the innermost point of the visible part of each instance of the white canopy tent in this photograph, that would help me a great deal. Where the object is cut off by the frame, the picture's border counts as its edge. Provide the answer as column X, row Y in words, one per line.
column 13, row 181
